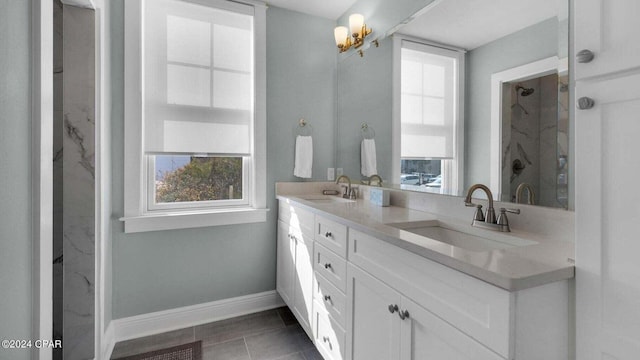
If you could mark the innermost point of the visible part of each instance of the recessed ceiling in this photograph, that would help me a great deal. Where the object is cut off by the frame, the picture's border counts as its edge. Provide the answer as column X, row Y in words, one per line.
column 469, row 24
column 330, row 9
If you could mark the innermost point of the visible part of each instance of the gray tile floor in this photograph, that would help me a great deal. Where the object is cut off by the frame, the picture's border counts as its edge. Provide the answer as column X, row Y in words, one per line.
column 268, row 335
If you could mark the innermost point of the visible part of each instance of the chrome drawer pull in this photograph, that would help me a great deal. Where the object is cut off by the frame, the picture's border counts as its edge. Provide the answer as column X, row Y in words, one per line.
column 327, row 298
column 393, row 308
column 327, row 265
column 328, row 234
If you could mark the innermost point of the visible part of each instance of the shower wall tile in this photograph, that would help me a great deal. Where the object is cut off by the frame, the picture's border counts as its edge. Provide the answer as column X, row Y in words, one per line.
column 79, row 183
column 525, row 137
column 548, row 140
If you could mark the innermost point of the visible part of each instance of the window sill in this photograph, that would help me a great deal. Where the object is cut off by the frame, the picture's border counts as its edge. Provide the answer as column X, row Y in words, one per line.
column 192, row 219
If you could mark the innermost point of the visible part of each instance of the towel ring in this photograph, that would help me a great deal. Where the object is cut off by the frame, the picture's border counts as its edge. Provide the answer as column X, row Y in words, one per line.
column 367, row 131
column 304, row 128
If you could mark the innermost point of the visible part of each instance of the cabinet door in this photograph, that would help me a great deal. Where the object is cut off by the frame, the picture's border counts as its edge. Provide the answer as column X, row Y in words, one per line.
column 607, row 218
column 610, row 29
column 373, row 332
column 285, row 263
column 303, row 281
column 426, row 336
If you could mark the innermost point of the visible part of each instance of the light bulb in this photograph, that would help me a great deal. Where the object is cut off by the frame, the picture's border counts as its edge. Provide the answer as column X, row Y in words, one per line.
column 355, row 24
column 341, row 33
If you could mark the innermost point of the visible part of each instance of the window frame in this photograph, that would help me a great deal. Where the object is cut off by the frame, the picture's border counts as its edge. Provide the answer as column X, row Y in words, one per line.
column 453, row 166
column 139, row 216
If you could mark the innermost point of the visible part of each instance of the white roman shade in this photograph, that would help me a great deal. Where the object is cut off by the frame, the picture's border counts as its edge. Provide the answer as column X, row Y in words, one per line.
column 428, row 102
column 198, row 92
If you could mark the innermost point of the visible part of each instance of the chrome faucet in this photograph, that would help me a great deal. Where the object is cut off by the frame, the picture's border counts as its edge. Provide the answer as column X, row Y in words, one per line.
column 377, row 178
column 347, row 190
column 531, row 194
column 489, row 221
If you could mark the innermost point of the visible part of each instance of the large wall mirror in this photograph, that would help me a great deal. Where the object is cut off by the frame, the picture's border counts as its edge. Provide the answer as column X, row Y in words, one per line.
column 466, row 92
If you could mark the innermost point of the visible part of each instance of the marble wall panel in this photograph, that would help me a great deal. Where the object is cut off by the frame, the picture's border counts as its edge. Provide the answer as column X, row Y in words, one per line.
column 79, row 182
column 58, row 258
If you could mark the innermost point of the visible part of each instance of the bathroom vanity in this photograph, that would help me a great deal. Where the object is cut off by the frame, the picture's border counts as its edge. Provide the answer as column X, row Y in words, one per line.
column 369, row 282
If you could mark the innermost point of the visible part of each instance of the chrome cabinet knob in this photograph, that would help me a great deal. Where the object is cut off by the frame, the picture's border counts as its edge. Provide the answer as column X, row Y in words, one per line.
column 327, row 298
column 327, row 265
column 327, row 234
column 403, row 314
column 585, row 103
column 325, row 339
column 393, row 308
column 584, row 56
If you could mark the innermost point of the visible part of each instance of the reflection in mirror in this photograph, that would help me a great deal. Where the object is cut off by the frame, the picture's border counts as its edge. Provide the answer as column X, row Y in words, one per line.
column 523, row 145
column 534, row 121
column 430, row 123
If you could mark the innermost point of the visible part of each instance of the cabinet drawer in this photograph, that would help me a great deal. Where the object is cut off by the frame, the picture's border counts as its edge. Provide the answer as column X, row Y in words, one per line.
column 329, row 298
column 332, row 235
column 478, row 309
column 330, row 266
column 329, row 336
column 297, row 218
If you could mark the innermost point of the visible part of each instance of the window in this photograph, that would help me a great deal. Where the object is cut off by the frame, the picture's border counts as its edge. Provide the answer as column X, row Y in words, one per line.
column 194, row 114
column 430, row 117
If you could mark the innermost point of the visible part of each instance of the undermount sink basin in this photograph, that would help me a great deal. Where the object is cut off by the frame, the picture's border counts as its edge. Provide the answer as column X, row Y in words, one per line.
column 325, row 199
column 462, row 238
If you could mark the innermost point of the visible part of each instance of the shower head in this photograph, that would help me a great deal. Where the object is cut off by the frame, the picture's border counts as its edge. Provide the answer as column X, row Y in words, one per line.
column 525, row 91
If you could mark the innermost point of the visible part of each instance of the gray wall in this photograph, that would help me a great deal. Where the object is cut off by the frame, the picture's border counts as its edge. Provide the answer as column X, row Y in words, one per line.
column 530, row 44
column 365, row 95
column 15, row 175
column 162, row 270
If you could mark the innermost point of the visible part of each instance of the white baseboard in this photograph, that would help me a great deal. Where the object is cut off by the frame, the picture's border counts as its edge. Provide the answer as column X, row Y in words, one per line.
column 179, row 318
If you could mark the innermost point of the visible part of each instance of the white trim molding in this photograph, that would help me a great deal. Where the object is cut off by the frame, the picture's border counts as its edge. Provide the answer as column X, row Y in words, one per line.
column 187, row 316
column 42, row 174
column 524, row 72
column 108, row 343
column 194, row 219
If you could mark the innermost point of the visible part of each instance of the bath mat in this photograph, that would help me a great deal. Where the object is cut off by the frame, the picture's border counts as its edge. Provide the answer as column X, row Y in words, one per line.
column 191, row 351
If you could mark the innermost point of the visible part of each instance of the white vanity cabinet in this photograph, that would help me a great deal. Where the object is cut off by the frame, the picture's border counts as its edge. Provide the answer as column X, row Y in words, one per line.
column 387, row 325
column 407, row 307
column 363, row 298
column 607, row 215
column 285, row 263
column 294, row 278
column 609, row 29
column 330, row 302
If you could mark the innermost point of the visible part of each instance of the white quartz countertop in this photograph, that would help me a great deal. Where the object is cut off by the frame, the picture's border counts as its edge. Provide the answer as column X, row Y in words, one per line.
column 513, row 268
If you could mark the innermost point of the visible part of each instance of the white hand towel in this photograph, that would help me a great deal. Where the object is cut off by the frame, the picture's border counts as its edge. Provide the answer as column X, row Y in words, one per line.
column 368, row 157
column 303, row 157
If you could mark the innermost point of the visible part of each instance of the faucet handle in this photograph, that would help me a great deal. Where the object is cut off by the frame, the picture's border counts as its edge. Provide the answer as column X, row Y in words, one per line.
column 478, row 216
column 503, row 220
column 513, row 211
